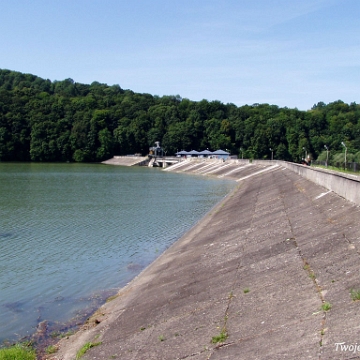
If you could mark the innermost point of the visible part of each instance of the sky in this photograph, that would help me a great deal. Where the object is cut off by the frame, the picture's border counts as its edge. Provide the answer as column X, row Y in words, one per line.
column 292, row 53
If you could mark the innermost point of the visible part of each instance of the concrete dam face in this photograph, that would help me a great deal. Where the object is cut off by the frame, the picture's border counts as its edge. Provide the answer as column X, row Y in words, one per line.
column 271, row 272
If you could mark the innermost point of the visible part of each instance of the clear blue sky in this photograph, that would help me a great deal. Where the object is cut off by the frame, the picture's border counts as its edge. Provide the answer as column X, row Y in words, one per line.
column 290, row 53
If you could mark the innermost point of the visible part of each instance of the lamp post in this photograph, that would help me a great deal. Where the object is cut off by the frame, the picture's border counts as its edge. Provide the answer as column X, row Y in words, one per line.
column 242, row 153
column 327, row 155
column 343, row 144
column 272, row 153
column 305, row 153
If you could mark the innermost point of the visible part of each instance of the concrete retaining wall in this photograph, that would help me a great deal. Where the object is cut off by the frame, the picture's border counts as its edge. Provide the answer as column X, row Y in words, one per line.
column 341, row 184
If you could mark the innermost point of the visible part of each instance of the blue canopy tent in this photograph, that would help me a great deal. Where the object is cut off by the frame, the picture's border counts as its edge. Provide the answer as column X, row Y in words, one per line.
column 221, row 154
column 205, row 153
column 193, row 153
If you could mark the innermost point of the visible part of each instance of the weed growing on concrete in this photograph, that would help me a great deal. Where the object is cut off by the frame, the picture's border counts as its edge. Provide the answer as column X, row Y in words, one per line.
column 85, row 348
column 219, row 338
column 326, row 306
column 246, row 290
column 142, row 328
column 355, row 294
column 311, row 275
column 162, row 338
column 51, row 349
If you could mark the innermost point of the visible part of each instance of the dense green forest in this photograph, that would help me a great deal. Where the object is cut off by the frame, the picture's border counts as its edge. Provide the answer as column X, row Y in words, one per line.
column 41, row 120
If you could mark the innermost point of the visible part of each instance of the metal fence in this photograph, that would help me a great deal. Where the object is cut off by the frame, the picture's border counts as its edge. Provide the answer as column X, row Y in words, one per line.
column 349, row 166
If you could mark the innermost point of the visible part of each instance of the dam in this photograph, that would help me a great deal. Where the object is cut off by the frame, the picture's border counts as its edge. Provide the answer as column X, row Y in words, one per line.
column 269, row 273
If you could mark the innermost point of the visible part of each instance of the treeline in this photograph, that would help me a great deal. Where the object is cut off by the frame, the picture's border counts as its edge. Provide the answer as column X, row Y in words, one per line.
column 41, row 120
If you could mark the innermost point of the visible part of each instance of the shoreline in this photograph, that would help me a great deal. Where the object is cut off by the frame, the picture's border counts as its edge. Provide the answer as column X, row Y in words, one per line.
column 105, row 311
column 77, row 297
column 93, row 318
column 42, row 335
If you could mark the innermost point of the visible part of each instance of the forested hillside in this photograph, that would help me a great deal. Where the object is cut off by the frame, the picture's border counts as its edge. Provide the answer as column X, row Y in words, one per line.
column 64, row 120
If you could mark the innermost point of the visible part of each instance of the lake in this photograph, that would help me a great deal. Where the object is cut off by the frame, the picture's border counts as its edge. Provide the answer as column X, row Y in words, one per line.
column 73, row 234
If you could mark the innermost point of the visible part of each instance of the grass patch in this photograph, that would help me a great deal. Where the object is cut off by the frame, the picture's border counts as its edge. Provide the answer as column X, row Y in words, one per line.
column 161, row 338
column 326, row 306
column 355, row 294
column 246, row 290
column 51, row 349
column 17, row 352
column 219, row 338
column 85, row 348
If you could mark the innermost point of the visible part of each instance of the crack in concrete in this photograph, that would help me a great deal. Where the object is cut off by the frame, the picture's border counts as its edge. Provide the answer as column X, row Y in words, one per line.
column 239, row 266
column 223, row 345
column 191, row 355
column 307, row 267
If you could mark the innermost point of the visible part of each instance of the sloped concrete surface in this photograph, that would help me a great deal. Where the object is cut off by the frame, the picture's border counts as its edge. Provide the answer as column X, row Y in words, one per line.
column 257, row 269
column 126, row 160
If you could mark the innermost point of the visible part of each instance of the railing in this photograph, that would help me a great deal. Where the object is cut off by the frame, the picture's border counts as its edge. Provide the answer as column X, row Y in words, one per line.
column 350, row 166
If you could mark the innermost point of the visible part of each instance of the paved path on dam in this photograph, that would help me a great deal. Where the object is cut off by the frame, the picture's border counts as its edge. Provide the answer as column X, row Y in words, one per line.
column 266, row 274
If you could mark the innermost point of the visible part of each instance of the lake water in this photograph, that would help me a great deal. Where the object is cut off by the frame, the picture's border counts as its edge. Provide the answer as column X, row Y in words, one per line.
column 73, row 234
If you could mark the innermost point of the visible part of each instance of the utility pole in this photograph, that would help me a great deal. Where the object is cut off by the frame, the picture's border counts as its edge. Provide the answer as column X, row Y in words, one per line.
column 343, row 144
column 327, row 155
column 305, row 153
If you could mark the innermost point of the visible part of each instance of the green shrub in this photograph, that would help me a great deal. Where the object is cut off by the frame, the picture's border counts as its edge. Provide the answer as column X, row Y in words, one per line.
column 357, row 157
